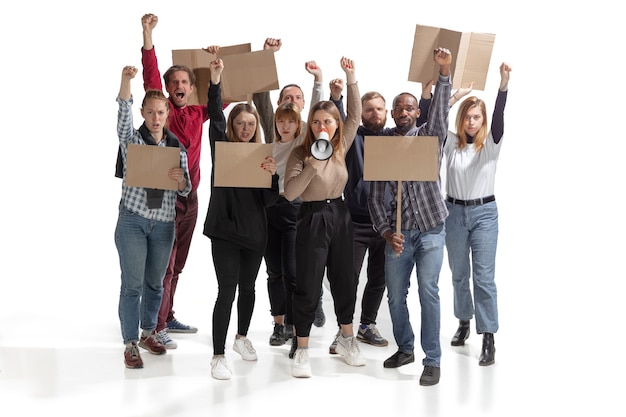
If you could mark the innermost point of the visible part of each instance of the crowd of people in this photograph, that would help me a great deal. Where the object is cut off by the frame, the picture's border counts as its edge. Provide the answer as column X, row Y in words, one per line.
column 318, row 218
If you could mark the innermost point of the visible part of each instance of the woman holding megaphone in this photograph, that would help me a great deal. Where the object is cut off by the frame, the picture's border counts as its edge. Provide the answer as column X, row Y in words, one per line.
column 324, row 230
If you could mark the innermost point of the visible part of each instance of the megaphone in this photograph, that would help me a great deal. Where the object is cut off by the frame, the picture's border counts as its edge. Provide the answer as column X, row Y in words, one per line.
column 322, row 149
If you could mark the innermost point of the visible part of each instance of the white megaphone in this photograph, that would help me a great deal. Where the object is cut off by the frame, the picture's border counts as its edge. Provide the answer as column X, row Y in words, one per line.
column 322, row 149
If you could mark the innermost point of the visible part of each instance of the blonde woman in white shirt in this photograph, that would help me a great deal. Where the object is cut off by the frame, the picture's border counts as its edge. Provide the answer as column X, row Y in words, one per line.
column 472, row 225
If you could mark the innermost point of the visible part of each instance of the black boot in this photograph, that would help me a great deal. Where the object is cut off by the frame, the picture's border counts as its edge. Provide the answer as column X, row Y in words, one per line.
column 462, row 333
column 488, row 353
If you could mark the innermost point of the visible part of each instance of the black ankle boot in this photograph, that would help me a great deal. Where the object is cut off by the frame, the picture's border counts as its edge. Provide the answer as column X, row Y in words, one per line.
column 462, row 333
column 488, row 353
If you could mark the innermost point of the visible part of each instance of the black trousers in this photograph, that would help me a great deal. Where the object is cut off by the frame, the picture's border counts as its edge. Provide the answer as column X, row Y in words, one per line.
column 324, row 242
column 280, row 257
column 367, row 240
column 236, row 268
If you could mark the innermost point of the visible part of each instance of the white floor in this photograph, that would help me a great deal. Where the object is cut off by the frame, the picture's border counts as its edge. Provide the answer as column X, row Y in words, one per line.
column 61, row 354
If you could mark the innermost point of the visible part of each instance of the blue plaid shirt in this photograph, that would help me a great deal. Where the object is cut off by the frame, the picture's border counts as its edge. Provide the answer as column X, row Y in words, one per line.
column 422, row 201
column 134, row 198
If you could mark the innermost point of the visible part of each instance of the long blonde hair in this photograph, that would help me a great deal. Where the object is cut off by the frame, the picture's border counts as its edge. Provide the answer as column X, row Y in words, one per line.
column 467, row 105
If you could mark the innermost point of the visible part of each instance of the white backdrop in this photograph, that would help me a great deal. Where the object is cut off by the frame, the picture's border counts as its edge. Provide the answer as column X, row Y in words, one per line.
column 559, row 179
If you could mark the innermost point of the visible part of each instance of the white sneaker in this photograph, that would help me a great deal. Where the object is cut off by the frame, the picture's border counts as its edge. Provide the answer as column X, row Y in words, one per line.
column 220, row 368
column 301, row 364
column 243, row 346
column 165, row 339
column 348, row 347
column 332, row 349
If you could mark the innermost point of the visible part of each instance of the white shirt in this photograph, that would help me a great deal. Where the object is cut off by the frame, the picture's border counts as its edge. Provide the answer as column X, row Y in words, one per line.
column 470, row 174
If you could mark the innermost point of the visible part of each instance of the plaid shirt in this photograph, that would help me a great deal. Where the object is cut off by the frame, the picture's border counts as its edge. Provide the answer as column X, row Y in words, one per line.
column 422, row 201
column 134, row 198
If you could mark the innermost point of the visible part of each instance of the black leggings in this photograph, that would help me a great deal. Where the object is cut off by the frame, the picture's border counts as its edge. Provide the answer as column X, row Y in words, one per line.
column 235, row 266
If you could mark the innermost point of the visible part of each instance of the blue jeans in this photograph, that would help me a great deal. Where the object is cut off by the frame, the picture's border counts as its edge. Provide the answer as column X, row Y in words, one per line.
column 424, row 250
column 144, row 248
column 474, row 229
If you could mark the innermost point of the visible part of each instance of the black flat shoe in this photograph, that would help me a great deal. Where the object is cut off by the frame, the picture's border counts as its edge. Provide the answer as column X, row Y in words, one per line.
column 462, row 333
column 399, row 359
column 488, row 352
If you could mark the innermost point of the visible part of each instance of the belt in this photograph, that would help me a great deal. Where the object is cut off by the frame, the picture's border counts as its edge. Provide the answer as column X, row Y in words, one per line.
column 318, row 205
column 475, row 202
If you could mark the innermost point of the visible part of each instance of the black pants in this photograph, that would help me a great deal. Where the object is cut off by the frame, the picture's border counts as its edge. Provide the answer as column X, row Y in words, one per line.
column 280, row 257
column 236, row 268
column 366, row 239
column 324, row 241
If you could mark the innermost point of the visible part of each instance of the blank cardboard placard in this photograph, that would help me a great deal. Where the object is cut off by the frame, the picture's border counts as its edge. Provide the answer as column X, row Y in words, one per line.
column 198, row 60
column 238, row 164
column 249, row 73
column 471, row 55
column 401, row 158
column 147, row 166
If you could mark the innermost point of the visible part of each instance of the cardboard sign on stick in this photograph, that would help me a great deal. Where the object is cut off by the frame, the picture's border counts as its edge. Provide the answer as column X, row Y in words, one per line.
column 238, row 164
column 147, row 166
column 198, row 61
column 401, row 158
column 471, row 55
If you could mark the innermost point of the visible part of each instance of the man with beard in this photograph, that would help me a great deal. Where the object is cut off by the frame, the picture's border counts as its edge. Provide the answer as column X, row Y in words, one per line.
column 356, row 193
column 366, row 239
column 418, row 242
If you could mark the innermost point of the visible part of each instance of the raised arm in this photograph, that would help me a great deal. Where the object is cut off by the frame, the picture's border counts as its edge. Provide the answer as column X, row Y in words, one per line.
column 263, row 102
column 336, row 95
column 151, row 74
column 128, row 73
column 148, row 23
column 497, row 121
column 460, row 93
column 217, row 124
column 424, row 103
column 437, row 124
column 125, row 114
column 354, row 103
column 318, row 86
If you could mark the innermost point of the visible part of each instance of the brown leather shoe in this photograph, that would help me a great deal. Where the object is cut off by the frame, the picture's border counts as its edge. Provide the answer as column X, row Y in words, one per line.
column 462, row 333
column 132, row 359
column 488, row 352
column 152, row 344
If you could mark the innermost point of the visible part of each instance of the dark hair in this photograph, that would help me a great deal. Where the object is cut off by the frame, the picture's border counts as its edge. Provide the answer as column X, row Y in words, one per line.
column 280, row 96
column 175, row 68
column 395, row 99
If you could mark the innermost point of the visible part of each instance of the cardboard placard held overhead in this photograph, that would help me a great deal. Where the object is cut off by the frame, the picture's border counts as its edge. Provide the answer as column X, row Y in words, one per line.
column 252, row 72
column 147, row 166
column 198, row 61
column 238, row 164
column 401, row 158
column 471, row 55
